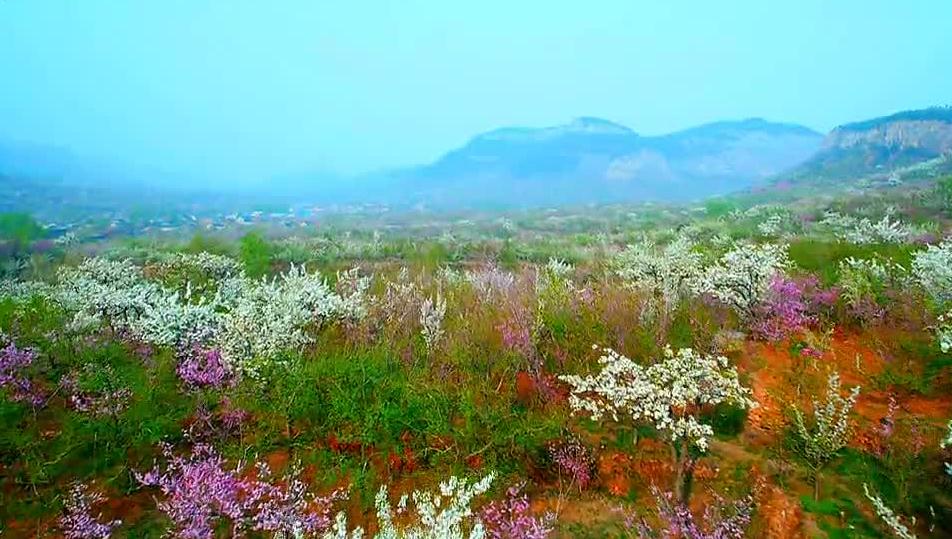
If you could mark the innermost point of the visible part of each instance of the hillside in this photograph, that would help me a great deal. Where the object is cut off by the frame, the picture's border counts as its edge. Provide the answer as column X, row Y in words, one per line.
column 592, row 160
column 880, row 148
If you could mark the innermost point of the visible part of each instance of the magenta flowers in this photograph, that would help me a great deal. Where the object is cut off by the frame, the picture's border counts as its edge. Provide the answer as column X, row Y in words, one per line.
column 510, row 518
column 200, row 492
column 791, row 306
column 13, row 379
column 79, row 522
column 200, row 368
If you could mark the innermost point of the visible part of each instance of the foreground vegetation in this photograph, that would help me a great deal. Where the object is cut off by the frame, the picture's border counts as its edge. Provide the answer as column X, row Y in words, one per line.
column 721, row 371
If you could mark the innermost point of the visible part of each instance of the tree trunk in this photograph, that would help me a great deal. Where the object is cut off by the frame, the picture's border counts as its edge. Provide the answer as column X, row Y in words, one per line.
column 684, row 472
column 816, row 485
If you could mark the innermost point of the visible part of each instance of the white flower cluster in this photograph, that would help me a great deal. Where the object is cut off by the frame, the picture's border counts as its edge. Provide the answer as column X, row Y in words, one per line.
column 888, row 516
column 830, row 430
column 772, row 225
column 490, row 282
column 667, row 274
column 668, row 395
column 266, row 317
column 211, row 265
column 861, row 230
column 944, row 332
column 741, row 278
column 443, row 515
column 432, row 312
column 933, row 270
column 250, row 321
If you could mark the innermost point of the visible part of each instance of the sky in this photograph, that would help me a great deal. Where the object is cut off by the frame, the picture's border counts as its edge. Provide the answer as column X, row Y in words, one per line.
column 241, row 91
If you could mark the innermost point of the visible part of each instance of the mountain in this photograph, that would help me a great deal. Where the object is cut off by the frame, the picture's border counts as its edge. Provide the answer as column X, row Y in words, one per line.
column 890, row 146
column 592, row 160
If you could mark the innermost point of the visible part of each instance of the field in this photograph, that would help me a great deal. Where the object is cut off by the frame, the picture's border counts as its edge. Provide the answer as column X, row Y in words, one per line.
column 726, row 370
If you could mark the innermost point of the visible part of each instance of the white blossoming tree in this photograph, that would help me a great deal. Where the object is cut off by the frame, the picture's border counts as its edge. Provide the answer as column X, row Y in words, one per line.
column 741, row 278
column 933, row 269
column 446, row 514
column 665, row 274
column 669, row 395
column 250, row 321
column 828, row 432
column 431, row 321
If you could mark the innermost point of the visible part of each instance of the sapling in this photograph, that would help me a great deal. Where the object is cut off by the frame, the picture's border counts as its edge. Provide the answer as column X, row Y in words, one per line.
column 829, row 431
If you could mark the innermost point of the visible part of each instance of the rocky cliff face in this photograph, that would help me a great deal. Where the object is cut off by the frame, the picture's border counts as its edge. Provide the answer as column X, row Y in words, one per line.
column 880, row 146
column 933, row 136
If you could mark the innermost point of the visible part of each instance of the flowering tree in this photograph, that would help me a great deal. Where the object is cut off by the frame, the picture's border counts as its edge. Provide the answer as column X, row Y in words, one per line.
column 431, row 319
column 888, row 516
column 443, row 515
column 665, row 274
column 742, row 277
column 14, row 380
column 78, row 522
column 668, row 395
column 933, row 269
column 200, row 492
column 510, row 518
column 862, row 230
column 829, row 431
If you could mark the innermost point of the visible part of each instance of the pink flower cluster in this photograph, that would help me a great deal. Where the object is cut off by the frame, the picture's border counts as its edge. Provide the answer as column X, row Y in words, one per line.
column 199, row 492
column 13, row 380
column 516, row 330
column 573, row 461
column 79, row 522
column 200, row 368
column 791, row 306
column 510, row 518
column 720, row 520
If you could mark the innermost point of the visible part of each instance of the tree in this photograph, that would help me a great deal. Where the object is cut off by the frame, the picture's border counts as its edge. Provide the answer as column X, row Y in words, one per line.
column 829, row 431
column 669, row 395
column 742, row 277
column 943, row 188
column 19, row 228
column 255, row 254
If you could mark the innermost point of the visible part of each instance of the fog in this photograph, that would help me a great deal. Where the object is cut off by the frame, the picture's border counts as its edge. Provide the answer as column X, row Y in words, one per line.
column 240, row 93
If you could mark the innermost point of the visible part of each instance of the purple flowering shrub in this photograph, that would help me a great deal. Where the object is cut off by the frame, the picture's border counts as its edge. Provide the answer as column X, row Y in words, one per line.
column 14, row 380
column 78, row 522
column 573, row 462
column 720, row 520
column 200, row 493
column 510, row 518
column 199, row 368
column 792, row 306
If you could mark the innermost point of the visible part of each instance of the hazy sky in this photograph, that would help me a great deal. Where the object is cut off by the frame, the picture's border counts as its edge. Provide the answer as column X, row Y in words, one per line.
column 237, row 90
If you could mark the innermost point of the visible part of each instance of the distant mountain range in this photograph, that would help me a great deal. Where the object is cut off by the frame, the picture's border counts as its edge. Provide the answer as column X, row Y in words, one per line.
column 592, row 160
column 589, row 160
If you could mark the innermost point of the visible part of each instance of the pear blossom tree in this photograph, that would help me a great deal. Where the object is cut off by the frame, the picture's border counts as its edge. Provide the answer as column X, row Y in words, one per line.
column 669, row 395
column 829, row 431
column 666, row 274
column 741, row 278
column 932, row 268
